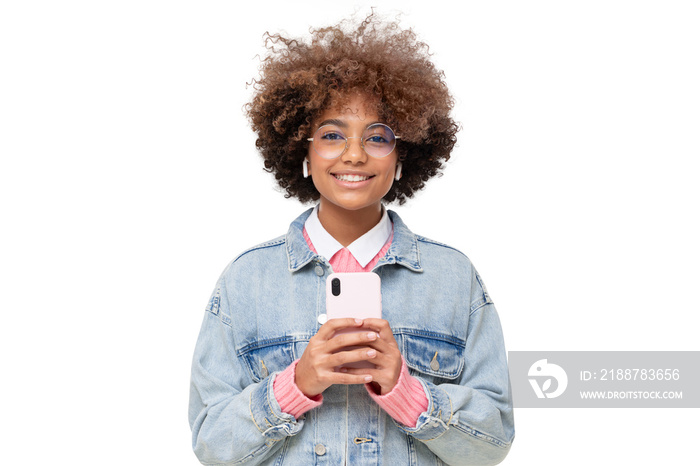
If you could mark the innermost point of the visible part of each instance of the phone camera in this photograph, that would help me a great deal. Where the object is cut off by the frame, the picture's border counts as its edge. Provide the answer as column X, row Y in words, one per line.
column 335, row 286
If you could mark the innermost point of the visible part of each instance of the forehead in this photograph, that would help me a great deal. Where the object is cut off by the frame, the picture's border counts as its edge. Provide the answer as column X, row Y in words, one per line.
column 354, row 109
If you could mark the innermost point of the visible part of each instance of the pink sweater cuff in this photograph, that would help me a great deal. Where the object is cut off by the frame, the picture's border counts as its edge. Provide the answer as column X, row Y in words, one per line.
column 406, row 401
column 290, row 398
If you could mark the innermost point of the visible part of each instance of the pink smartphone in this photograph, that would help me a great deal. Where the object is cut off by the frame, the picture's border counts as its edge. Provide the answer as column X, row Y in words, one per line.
column 357, row 295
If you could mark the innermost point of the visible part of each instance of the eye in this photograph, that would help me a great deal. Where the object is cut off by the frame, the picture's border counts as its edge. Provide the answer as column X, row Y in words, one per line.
column 332, row 136
column 379, row 134
column 376, row 139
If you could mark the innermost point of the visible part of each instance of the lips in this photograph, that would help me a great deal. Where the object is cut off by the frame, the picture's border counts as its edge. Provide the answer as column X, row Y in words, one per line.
column 351, row 178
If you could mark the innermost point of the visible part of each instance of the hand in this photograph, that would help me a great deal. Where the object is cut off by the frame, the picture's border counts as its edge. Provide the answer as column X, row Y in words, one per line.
column 388, row 359
column 316, row 368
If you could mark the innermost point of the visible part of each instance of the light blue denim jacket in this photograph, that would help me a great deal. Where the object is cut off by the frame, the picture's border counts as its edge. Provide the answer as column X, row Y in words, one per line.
column 261, row 316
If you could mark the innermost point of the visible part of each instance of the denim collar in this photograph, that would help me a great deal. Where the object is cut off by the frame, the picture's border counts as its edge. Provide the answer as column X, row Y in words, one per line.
column 403, row 250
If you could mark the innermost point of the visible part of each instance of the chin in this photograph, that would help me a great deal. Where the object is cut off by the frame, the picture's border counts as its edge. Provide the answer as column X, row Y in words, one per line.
column 353, row 205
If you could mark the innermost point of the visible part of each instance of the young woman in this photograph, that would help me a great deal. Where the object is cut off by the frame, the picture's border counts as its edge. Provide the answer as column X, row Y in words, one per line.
column 354, row 118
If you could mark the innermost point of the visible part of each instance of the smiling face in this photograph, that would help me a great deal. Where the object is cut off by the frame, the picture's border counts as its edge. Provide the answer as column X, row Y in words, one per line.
column 354, row 181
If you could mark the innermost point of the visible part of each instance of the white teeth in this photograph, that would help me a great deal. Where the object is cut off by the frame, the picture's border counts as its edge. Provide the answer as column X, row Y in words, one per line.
column 351, row 177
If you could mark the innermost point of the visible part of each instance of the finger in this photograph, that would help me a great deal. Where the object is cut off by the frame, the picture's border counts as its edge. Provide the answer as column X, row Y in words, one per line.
column 361, row 371
column 351, row 339
column 333, row 325
column 380, row 326
column 346, row 378
column 355, row 355
column 383, row 345
column 319, row 382
column 389, row 361
column 382, row 378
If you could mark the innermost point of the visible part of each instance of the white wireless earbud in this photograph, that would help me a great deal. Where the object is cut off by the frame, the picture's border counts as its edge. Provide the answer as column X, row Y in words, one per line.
column 397, row 176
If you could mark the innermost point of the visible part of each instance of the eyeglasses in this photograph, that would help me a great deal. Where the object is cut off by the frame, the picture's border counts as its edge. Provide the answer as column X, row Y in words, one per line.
column 378, row 140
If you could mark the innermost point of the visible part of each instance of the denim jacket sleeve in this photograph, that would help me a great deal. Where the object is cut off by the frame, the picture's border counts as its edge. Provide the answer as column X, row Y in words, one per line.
column 233, row 420
column 470, row 420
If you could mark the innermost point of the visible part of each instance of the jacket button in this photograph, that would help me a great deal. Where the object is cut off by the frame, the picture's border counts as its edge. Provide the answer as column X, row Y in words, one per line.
column 319, row 270
column 320, row 449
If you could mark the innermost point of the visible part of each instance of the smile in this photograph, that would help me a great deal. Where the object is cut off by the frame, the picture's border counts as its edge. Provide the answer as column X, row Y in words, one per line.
column 351, row 178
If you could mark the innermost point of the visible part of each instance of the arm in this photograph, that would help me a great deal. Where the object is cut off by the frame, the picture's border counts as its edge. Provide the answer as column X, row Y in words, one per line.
column 237, row 421
column 471, row 421
column 233, row 420
column 469, row 414
column 468, row 422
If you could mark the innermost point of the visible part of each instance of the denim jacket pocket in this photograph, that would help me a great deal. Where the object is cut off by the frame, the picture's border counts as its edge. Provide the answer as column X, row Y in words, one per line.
column 262, row 358
column 436, row 358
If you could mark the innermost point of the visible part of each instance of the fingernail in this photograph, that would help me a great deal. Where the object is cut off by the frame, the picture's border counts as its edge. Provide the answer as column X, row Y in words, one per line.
column 368, row 378
column 358, row 321
column 371, row 353
column 372, row 336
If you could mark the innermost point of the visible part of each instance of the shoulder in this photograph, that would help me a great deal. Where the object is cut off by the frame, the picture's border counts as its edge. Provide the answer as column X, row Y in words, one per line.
column 446, row 262
column 263, row 248
column 269, row 254
column 453, row 264
column 277, row 252
column 443, row 258
column 441, row 248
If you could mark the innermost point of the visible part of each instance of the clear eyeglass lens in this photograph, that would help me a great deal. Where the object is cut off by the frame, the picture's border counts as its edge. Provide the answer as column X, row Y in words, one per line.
column 379, row 140
column 330, row 142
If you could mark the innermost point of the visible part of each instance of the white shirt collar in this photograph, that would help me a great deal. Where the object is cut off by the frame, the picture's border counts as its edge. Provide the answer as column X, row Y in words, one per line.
column 363, row 249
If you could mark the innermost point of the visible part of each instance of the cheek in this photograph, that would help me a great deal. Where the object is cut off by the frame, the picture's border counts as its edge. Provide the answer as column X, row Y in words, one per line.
column 388, row 177
column 390, row 170
column 315, row 163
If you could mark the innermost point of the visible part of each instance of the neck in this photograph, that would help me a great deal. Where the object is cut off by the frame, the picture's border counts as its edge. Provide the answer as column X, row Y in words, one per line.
column 348, row 225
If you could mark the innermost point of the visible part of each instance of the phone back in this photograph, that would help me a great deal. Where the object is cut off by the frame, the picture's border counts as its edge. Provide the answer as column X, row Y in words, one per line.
column 357, row 295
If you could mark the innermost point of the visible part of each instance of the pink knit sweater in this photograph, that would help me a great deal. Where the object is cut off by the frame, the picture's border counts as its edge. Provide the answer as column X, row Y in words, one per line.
column 405, row 402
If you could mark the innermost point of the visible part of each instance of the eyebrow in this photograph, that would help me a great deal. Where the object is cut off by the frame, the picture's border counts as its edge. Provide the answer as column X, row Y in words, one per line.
column 342, row 123
column 333, row 122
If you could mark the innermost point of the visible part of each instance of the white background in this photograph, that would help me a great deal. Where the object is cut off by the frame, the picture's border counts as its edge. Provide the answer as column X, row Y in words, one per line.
column 129, row 179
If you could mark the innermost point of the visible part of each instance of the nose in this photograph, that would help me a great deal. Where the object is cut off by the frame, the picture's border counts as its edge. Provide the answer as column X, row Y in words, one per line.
column 354, row 153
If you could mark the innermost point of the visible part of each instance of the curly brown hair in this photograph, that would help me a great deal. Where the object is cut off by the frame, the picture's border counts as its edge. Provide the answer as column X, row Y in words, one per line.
column 299, row 80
